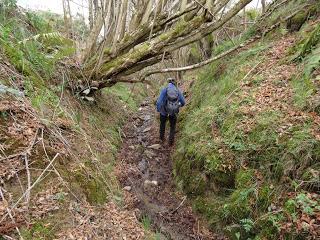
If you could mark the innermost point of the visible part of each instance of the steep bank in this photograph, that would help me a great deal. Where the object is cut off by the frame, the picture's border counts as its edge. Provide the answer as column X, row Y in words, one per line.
column 248, row 154
column 57, row 151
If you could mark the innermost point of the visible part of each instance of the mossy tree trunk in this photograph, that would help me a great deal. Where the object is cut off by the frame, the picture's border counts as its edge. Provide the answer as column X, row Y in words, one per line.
column 150, row 42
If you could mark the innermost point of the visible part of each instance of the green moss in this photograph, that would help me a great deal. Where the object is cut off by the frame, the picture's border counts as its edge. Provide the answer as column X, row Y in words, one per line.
column 189, row 178
column 295, row 23
column 134, row 56
column 223, row 179
column 93, row 187
column 306, row 45
column 195, row 55
column 238, row 205
column 183, row 25
column 245, row 178
column 107, row 51
column 209, row 207
column 125, row 94
column 196, row 185
column 264, row 198
column 38, row 231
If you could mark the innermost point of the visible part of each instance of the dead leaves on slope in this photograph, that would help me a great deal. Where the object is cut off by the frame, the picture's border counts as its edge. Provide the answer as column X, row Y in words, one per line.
column 106, row 222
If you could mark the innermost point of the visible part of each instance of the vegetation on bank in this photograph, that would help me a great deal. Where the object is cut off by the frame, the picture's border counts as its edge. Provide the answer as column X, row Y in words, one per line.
column 249, row 147
column 252, row 169
column 34, row 59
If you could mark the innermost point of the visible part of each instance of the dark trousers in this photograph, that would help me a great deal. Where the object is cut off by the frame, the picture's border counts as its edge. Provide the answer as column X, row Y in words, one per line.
column 172, row 121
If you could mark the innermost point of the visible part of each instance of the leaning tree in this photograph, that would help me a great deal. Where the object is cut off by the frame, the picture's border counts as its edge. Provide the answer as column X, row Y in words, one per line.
column 140, row 33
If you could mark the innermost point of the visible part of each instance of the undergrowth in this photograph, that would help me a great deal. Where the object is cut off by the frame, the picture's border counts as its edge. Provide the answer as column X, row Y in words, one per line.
column 34, row 51
column 32, row 45
column 244, row 178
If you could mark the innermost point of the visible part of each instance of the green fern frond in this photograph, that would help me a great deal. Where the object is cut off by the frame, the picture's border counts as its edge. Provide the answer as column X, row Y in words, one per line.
column 308, row 44
column 312, row 62
column 49, row 39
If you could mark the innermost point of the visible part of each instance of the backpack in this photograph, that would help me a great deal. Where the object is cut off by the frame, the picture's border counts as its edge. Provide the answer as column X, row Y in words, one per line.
column 172, row 104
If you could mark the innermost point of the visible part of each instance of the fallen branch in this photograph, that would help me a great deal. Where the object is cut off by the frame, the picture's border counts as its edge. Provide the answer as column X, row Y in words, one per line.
column 56, row 171
column 32, row 186
column 10, row 215
column 228, row 52
column 24, row 152
column 28, row 178
column 180, row 205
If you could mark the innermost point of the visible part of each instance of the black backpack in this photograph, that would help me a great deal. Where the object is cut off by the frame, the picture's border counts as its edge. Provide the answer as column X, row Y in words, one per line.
column 172, row 104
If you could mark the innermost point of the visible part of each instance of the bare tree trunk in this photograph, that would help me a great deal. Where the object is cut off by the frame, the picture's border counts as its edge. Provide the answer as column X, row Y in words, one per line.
column 139, row 9
column 123, row 19
column 90, row 14
column 147, row 12
column 96, row 8
column 117, row 14
column 244, row 19
column 90, row 42
column 162, row 4
column 70, row 19
column 67, row 18
column 183, row 5
column 263, row 4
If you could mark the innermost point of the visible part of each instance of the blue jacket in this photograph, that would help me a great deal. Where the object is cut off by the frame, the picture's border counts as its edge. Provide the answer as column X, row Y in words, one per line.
column 163, row 98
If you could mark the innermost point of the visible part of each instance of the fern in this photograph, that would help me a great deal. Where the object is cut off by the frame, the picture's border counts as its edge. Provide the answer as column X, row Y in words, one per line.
column 38, row 22
column 49, row 39
column 312, row 62
column 247, row 224
column 308, row 44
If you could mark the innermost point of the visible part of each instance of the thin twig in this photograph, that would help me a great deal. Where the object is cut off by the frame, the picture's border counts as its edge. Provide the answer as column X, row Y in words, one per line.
column 28, row 178
column 55, row 170
column 10, row 215
column 180, row 205
column 26, row 151
column 32, row 186
column 215, row 18
column 61, row 96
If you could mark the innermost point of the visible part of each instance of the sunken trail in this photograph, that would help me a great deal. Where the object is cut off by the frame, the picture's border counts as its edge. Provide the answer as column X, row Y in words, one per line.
column 145, row 171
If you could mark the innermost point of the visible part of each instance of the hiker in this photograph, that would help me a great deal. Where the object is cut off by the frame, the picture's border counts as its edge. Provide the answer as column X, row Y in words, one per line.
column 168, row 104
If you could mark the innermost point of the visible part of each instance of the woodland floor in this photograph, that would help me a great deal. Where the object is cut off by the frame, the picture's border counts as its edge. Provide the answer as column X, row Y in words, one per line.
column 145, row 171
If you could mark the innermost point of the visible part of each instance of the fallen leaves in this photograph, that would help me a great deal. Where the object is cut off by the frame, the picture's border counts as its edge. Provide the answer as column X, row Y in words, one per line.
column 107, row 222
column 18, row 131
column 306, row 218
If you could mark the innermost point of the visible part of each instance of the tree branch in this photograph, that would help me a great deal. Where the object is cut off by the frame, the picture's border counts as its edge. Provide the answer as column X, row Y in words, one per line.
column 208, row 28
column 231, row 50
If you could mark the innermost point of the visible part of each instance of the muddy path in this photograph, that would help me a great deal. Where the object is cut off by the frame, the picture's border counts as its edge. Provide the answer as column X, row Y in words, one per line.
column 145, row 172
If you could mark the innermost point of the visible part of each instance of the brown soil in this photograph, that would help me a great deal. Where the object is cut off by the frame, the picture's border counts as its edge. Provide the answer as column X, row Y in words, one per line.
column 143, row 160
